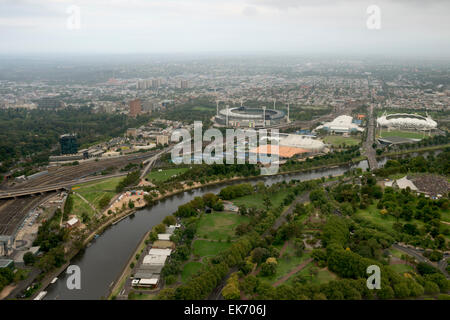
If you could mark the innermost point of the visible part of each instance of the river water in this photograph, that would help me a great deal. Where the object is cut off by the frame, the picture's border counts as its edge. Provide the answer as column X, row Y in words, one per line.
column 103, row 261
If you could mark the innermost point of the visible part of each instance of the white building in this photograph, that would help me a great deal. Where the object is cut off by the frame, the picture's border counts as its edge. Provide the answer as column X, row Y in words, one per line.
column 406, row 121
column 342, row 124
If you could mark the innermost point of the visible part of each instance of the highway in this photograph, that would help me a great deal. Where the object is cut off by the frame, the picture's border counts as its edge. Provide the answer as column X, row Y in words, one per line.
column 150, row 162
column 369, row 151
column 441, row 265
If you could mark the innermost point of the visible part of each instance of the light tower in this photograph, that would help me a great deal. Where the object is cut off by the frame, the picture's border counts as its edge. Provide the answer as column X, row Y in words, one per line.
column 217, row 108
column 264, row 115
column 288, row 114
column 227, row 115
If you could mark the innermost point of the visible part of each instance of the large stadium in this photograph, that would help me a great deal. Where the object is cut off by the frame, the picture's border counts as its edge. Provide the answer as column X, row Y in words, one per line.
column 405, row 121
column 249, row 117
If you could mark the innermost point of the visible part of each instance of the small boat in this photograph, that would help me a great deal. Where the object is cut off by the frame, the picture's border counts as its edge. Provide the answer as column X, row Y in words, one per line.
column 96, row 236
column 54, row 280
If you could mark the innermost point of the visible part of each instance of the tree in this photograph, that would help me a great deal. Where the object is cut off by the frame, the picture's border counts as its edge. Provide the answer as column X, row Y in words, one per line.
column 29, row 258
column 243, row 210
column 267, row 202
column 269, row 267
column 259, row 255
column 169, row 220
column 231, row 290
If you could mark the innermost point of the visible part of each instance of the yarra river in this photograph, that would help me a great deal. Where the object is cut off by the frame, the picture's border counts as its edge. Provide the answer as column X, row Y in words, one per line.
column 103, row 261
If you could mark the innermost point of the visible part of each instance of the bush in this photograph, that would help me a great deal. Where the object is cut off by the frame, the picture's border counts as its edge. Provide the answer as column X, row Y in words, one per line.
column 29, row 258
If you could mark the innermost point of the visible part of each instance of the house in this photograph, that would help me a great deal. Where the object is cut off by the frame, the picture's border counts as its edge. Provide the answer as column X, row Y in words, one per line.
column 164, row 236
column 73, row 222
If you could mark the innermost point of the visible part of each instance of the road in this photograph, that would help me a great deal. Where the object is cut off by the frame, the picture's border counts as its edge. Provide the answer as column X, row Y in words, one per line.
column 441, row 265
column 369, row 151
column 152, row 161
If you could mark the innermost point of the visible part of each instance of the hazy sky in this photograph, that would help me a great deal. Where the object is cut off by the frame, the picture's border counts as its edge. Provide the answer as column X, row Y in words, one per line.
column 408, row 27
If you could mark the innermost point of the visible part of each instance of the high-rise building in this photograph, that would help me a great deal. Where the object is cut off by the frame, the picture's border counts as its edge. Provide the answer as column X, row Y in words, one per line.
column 184, row 84
column 68, row 144
column 135, row 107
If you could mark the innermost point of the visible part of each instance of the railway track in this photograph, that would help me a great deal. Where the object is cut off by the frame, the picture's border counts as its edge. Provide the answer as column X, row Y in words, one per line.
column 12, row 212
column 80, row 171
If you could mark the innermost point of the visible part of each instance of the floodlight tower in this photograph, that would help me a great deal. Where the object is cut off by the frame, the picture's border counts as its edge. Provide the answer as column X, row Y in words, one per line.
column 227, row 115
column 264, row 115
column 288, row 114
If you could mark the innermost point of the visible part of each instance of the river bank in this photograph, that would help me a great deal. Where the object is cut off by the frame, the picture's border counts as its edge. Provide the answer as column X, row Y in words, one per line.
column 129, row 231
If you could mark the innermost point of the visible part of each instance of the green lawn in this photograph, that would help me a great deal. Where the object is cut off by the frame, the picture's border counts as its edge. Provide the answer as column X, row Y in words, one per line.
column 323, row 276
column 402, row 134
column 286, row 263
column 79, row 206
column 219, row 225
column 397, row 253
column 190, row 269
column 161, row 176
column 445, row 215
column 209, row 248
column 94, row 191
column 337, row 141
column 256, row 200
column 373, row 215
column 401, row 268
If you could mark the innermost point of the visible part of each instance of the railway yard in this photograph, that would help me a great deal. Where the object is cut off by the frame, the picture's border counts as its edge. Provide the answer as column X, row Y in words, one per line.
column 15, row 210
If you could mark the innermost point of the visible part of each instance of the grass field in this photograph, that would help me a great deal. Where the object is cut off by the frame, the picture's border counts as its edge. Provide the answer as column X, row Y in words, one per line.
column 323, row 276
column 219, row 225
column 79, row 207
column 337, row 141
column 373, row 215
column 256, row 200
column 397, row 253
column 445, row 215
column 402, row 134
column 401, row 268
column 209, row 248
column 286, row 263
column 161, row 176
column 94, row 191
column 190, row 269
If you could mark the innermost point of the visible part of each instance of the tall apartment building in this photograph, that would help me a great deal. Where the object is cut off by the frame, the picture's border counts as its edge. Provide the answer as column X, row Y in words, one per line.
column 135, row 107
column 68, row 144
column 184, row 84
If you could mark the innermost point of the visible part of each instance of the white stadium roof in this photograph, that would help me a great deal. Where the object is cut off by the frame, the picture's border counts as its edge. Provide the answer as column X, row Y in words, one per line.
column 405, row 120
column 341, row 123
